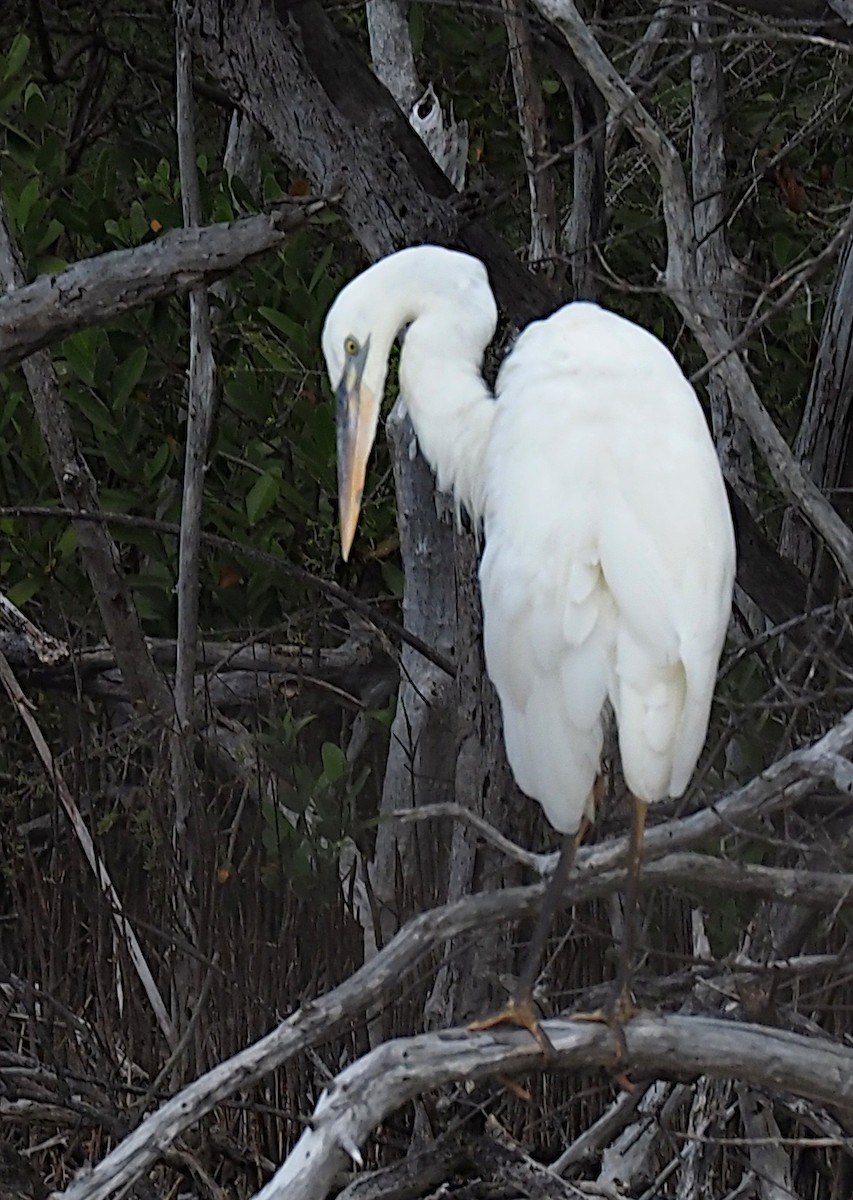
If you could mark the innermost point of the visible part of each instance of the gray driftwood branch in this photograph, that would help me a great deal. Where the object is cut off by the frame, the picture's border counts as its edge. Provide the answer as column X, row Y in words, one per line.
column 366, row 1092
column 98, row 289
column 784, row 783
column 332, row 664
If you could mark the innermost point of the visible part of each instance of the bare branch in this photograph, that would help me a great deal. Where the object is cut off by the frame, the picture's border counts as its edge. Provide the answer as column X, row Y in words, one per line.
column 769, row 1158
column 644, row 55
column 394, row 64
column 582, row 231
column 823, row 435
column 48, row 650
column 365, row 1093
column 99, row 289
column 201, row 401
column 444, row 137
column 715, row 264
column 323, row 109
column 201, row 396
column 243, row 149
column 542, row 864
column 391, row 51
column 608, row 1126
column 542, row 250
column 412, row 1175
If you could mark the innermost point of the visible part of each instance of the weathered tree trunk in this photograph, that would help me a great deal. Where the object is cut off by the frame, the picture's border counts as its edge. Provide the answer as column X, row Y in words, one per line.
column 410, row 861
column 465, row 985
column 446, row 745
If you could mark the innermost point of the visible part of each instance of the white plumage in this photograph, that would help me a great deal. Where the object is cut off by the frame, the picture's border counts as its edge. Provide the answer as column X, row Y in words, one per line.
column 609, row 555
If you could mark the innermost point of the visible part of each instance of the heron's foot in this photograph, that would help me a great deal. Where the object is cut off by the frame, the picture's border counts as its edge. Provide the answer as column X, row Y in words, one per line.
column 615, row 1016
column 522, row 1012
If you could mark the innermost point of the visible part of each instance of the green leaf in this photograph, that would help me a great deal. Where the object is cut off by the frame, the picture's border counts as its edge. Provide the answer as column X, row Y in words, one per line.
column 54, row 230
column 321, row 267
column 104, row 182
column 262, row 495
column 19, row 593
column 79, row 351
column 283, row 323
column 17, row 56
column 26, row 200
column 67, row 544
column 155, row 467
column 138, row 221
column 334, row 762
column 392, row 577
column 277, row 360
column 128, row 375
column 114, row 229
column 49, row 264
column 35, row 105
column 96, row 411
column 785, row 250
column 8, row 411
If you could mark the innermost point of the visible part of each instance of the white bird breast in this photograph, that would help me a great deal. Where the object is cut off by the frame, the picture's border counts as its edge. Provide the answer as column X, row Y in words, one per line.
column 609, row 560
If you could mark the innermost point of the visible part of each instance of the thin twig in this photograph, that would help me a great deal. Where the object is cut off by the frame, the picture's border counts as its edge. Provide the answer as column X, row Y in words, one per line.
column 125, row 931
column 331, row 590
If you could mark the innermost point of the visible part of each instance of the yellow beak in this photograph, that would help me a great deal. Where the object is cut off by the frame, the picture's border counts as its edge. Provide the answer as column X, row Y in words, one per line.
column 357, row 415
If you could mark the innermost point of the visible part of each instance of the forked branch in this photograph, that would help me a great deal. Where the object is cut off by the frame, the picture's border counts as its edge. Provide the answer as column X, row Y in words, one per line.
column 365, row 1093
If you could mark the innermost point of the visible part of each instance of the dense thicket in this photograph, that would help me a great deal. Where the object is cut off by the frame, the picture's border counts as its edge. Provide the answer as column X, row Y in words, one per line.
column 196, row 827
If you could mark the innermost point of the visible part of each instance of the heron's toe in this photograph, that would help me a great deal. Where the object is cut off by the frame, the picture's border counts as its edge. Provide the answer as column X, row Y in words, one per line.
column 522, row 1012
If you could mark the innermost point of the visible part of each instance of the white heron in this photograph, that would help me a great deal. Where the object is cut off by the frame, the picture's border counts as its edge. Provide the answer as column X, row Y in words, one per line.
column 609, row 555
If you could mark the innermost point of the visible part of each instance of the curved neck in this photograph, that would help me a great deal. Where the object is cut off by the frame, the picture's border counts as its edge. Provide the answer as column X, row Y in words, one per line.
column 451, row 406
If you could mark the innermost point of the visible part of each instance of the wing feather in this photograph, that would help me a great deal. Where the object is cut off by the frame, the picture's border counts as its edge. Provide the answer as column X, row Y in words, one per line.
column 609, row 559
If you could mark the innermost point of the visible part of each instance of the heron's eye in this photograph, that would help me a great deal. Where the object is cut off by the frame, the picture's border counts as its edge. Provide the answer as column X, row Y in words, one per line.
column 351, row 347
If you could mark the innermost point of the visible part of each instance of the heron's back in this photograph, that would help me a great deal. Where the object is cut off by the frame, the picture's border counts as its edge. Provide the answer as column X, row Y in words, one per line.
column 608, row 562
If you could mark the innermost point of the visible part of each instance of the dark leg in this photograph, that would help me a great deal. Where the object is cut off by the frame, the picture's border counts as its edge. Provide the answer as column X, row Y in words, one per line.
column 550, row 903
column 623, row 1007
column 521, row 1009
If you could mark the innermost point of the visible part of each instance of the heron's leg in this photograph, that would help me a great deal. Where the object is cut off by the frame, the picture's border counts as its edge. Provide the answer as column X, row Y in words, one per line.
column 622, row 1008
column 550, row 903
column 521, row 1009
column 623, row 1004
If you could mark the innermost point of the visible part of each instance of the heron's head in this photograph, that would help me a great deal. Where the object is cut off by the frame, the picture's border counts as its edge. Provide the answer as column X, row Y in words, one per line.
column 358, row 334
